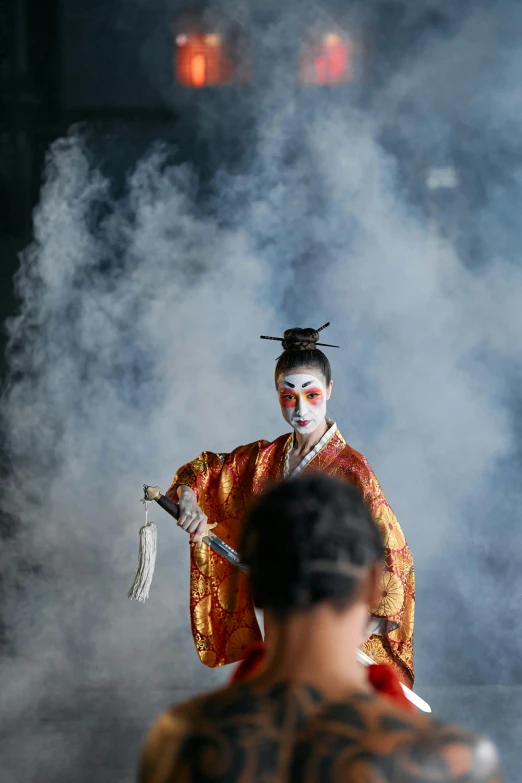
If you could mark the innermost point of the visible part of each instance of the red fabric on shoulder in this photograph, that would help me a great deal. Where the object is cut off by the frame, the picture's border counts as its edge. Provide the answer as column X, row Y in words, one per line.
column 384, row 680
column 381, row 677
column 250, row 664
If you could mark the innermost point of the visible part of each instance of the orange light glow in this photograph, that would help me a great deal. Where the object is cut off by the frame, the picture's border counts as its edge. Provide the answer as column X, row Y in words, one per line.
column 202, row 61
column 198, row 70
column 328, row 61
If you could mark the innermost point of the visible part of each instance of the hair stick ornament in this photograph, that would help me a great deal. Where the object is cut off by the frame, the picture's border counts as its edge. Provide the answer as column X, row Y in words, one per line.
column 281, row 339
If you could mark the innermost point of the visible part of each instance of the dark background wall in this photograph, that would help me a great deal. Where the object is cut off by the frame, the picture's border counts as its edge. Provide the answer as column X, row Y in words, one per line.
column 111, row 65
column 167, row 230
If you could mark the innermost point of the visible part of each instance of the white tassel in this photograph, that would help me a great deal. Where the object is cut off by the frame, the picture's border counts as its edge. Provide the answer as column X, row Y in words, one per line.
column 147, row 560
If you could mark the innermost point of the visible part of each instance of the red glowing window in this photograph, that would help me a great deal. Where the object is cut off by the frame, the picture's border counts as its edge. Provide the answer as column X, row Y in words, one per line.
column 328, row 60
column 202, row 60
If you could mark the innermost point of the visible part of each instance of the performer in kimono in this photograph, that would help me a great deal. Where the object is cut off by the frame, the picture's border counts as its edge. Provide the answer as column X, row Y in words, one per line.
column 217, row 490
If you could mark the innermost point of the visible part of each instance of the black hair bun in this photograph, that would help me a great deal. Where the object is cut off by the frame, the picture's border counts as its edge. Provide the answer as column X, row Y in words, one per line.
column 300, row 339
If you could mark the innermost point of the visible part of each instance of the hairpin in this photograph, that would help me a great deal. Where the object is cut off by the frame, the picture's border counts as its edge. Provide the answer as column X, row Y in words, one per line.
column 325, row 345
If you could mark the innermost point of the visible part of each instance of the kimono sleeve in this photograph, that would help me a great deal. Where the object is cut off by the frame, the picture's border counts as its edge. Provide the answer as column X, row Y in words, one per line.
column 198, row 474
column 223, row 619
column 396, row 605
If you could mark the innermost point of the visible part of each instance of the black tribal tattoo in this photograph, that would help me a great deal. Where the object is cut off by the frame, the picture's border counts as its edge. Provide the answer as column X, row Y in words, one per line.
column 291, row 735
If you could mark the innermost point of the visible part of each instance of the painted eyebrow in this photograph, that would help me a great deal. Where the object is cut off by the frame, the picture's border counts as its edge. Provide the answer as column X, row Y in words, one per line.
column 287, row 383
column 306, row 384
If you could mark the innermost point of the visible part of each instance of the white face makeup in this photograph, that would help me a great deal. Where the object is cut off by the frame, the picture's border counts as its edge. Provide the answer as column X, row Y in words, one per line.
column 303, row 401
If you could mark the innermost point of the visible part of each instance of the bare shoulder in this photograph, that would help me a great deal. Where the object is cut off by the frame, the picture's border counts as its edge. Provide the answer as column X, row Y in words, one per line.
column 159, row 757
column 448, row 753
column 397, row 746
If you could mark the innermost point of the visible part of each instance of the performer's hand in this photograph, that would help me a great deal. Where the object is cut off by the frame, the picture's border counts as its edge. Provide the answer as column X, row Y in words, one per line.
column 191, row 517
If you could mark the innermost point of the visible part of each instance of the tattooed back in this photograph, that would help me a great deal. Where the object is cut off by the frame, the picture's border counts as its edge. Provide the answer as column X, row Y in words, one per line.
column 290, row 734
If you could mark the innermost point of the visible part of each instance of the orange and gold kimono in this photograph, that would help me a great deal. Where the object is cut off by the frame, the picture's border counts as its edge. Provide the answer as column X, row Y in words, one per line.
column 224, row 624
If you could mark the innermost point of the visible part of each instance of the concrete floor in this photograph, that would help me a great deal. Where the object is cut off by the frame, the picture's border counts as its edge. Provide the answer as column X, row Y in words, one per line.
column 83, row 742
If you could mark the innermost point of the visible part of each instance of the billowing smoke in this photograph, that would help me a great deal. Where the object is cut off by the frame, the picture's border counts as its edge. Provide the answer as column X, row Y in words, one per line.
column 136, row 346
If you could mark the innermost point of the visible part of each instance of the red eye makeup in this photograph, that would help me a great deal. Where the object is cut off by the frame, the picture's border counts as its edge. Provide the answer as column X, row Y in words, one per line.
column 287, row 398
column 314, row 396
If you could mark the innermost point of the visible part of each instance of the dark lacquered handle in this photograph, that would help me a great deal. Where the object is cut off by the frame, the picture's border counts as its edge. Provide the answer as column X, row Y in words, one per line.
column 169, row 506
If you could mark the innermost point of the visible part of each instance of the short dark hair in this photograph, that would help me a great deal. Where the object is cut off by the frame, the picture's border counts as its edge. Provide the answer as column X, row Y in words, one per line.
column 309, row 540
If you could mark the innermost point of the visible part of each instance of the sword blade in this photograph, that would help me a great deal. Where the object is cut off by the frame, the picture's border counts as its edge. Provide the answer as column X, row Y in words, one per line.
column 225, row 551
column 232, row 556
column 410, row 695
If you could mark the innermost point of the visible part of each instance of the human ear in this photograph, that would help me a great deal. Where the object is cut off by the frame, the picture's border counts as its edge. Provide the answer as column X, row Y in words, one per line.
column 329, row 390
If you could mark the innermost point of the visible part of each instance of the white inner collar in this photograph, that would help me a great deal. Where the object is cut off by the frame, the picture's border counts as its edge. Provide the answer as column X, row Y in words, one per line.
column 304, row 462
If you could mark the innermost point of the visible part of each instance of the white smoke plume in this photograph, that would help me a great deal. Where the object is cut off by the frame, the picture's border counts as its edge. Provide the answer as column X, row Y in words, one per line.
column 136, row 346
